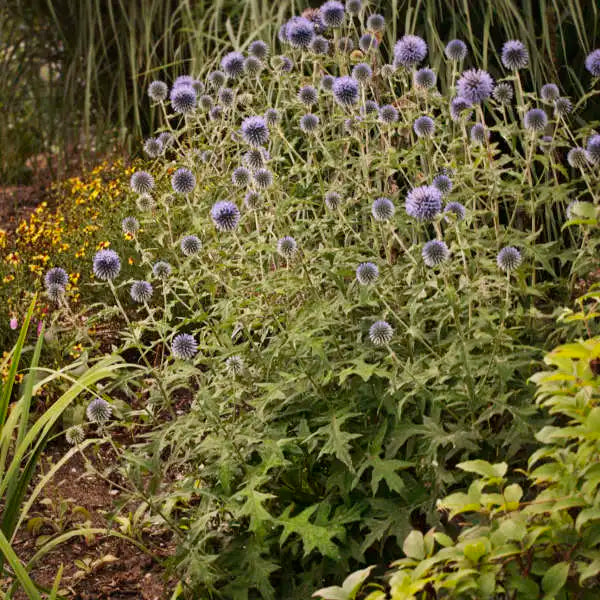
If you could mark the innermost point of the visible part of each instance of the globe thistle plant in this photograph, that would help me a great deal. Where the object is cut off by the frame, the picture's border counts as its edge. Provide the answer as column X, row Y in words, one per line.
column 368, row 42
column 254, row 159
column 456, row 50
column 141, row 291
column 130, row 225
column 55, row 293
column 241, row 176
column 535, row 119
column 258, row 49
column 562, row 107
column 235, row 365
column 225, row 215
column 593, row 150
column 479, row 134
column 592, row 62
column 300, row 32
column 56, row 276
column 217, row 78
column 362, row 72
column 353, row 7
column 183, row 80
column 309, row 123
column 345, row 91
column 153, row 147
column 514, row 55
column 425, row 78
column 381, row 333
column 369, row 107
column 198, row 86
column 161, row 269
column 327, row 82
column 233, row 64
column 255, row 131
column 443, row 183
column 98, row 411
column 376, row 23
column 158, row 91
column 106, row 265
column 456, row 209
column 332, row 13
column 434, row 253
column 475, row 85
column 190, row 245
column 508, row 259
column 367, row 273
column 424, row 126
column 308, row 95
column 263, row 178
column 145, row 203
column 184, row 346
column 319, row 45
column 577, row 158
column 183, row 99
column 549, row 92
column 424, row 203
column 287, row 247
column 271, row 117
column 75, row 435
column 345, row 45
column 142, row 182
column 503, row 93
column 388, row 114
column 166, row 139
column 183, row 181
column 226, row 96
column 333, row 200
column 206, row 102
column 383, row 209
column 460, row 108
column 252, row 200
column 410, row 50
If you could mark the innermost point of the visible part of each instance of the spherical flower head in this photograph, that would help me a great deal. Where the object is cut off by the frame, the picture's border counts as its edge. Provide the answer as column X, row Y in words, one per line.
column 130, row 225
column 216, row 112
column 345, row 45
column 475, row 85
column 387, row 71
column 593, row 150
column 319, row 45
column 456, row 50
column 142, row 182
column 198, row 86
column 226, row 96
column 235, row 365
column 283, row 63
column 549, row 92
column 271, row 117
column 287, row 247
column 434, row 253
column 509, row 258
column 424, row 203
column 383, row 209
column 56, row 276
column 233, row 64
column 345, row 91
column 327, row 82
column 225, row 215
column 443, row 183
column 190, row 245
column 362, row 72
column 75, row 435
column 368, row 42
column 241, row 176
column 353, row 7
column 106, row 265
column 184, row 346
column 309, row 123
column 456, row 209
column 183, row 80
column 562, row 106
column 255, row 131
column 258, row 49
column 577, row 158
column 141, row 291
column 370, row 106
column 332, row 13
column 308, row 95
column 367, row 273
column 263, row 178
column 503, row 93
column 381, row 333
column 161, row 269
column 425, row 78
column 460, row 108
column 514, row 55
column 424, row 126
column 300, row 32
column 183, row 99
column 535, row 119
column 158, row 91
column 55, row 292
column 253, row 66
column 153, row 147
column 410, row 50
column 254, row 159
column 351, row 125
column 98, row 411
column 166, row 139
column 145, row 203
column 217, row 78
column 183, row 181
column 592, row 62
column 206, row 102
column 333, row 200
column 282, row 35
column 479, row 134
column 376, row 22
column 252, row 200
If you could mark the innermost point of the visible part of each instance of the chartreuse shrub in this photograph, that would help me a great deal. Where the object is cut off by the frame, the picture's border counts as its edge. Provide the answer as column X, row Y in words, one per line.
column 513, row 534
column 343, row 277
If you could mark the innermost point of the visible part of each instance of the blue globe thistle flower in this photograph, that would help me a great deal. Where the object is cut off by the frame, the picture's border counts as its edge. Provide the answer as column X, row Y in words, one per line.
column 55, row 293
column 235, row 365
column 362, row 72
column 285, row 64
column 145, row 203
column 282, row 35
column 424, row 203
column 166, row 139
column 508, row 258
column 271, row 116
column 479, row 134
column 98, row 411
column 56, row 276
column 255, row 131
column 106, row 265
column 254, row 159
column 443, row 183
column 562, row 106
column 383, row 209
column 592, row 62
column 240, row 176
column 161, row 269
column 217, row 78
column 233, row 64
column 370, row 106
column 381, row 333
column 190, row 245
column 226, row 96
column 158, row 91
column 333, row 200
column 263, row 178
column 225, row 215
column 368, row 42
column 74, row 435
column 434, row 253
column 475, row 85
column 198, row 86
column 456, row 209
column 253, row 66
column 345, row 45
column 309, row 123
column 258, row 49
column 183, row 181
column 351, row 125
column 387, row 71
column 308, row 95
column 327, row 82
column 184, row 346
column 141, row 291
column 425, row 78
column 456, row 50
column 549, row 92
column 287, row 247
column 503, row 93
column 206, row 102
column 183, row 80
column 141, row 182
column 332, row 13
column 353, row 6
column 460, row 109
column 410, row 50
column 424, row 126
column 153, row 147
column 577, row 158
column 319, row 45
column 593, row 150
column 300, row 32
column 215, row 113
column 514, row 55
column 535, row 119
column 183, row 99
column 367, row 273
column 130, row 225
column 346, row 91
column 252, row 200
column 376, row 23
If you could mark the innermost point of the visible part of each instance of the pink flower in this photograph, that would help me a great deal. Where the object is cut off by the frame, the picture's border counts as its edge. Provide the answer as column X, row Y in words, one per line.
column 14, row 323
column 39, row 327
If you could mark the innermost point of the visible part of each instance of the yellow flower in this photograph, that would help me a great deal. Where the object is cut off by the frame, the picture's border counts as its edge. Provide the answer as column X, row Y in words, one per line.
column 8, row 278
column 103, row 245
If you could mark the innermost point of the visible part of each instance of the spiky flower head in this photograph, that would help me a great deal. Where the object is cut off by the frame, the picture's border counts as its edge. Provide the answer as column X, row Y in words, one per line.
column 184, row 346
column 190, row 245
column 55, row 292
column 376, row 22
column 593, row 149
column 252, row 200
column 479, row 134
column 456, row 50
column 309, row 123
column 333, row 200
column 98, row 411
column 592, row 62
column 424, row 126
column 368, row 42
column 233, row 64
column 577, row 158
column 424, row 203
column 287, row 247
column 332, row 13
column 327, row 82
column 387, row 71
column 198, row 86
column 141, row 291
column 299, row 32
column 381, row 333
column 508, row 259
column 183, row 80
column 206, row 102
column 425, row 78
column 153, row 147
column 362, row 72
column 455, row 208
column 145, row 203
column 141, row 182
column 388, row 114
column 271, row 116
column 226, row 96
column 56, row 276
column 308, row 95
column 410, row 50
column 258, row 49
column 106, row 265
column 255, row 131
column 225, row 215
column 161, row 269
column 130, row 225
column 254, row 159
column 263, row 178
column 562, row 106
column 283, row 63
column 183, row 99
column 319, row 45
column 158, row 91
column 345, row 90
column 75, row 435
column 215, row 113
column 383, row 209
column 503, row 93
column 475, row 85
column 217, row 78
column 549, row 92
column 183, row 181
column 434, row 253
column 253, row 66
column 351, row 124
column 535, row 119
column 514, row 55
column 241, row 176
column 460, row 108
column 166, row 139
column 235, row 365
column 353, row 6
column 443, row 183
column 367, row 273
column 345, row 45
column 370, row 106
